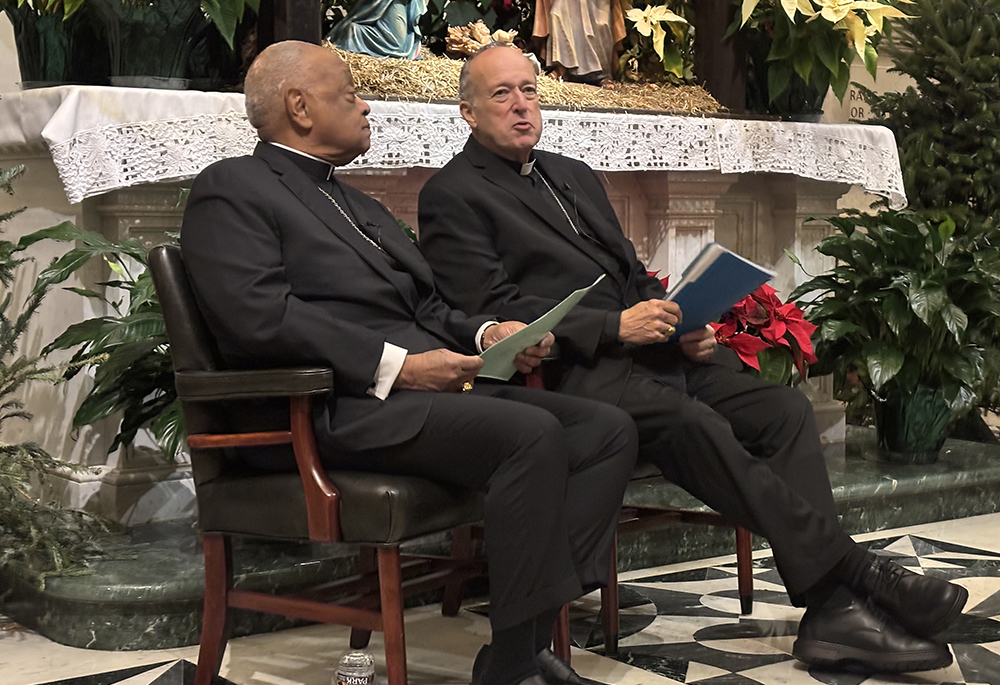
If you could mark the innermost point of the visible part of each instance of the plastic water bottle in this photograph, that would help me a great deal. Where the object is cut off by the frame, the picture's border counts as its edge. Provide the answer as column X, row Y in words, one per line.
column 355, row 668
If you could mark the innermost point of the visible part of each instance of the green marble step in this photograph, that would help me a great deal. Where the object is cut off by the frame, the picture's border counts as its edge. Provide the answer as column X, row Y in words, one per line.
column 871, row 495
column 148, row 594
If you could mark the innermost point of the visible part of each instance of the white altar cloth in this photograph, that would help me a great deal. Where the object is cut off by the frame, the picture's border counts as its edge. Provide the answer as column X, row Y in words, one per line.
column 103, row 139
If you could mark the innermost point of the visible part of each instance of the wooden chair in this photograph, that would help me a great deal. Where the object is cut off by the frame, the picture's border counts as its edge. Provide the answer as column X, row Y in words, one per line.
column 270, row 409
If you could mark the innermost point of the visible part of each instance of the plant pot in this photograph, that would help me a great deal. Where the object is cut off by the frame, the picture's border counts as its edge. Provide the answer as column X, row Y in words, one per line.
column 912, row 426
column 150, row 39
column 54, row 51
column 167, row 44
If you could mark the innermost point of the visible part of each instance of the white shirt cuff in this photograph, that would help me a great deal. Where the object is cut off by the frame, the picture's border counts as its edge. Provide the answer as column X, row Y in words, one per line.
column 388, row 368
column 479, row 335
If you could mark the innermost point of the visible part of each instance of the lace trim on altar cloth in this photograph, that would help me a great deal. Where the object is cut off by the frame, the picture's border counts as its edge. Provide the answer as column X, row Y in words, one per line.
column 115, row 156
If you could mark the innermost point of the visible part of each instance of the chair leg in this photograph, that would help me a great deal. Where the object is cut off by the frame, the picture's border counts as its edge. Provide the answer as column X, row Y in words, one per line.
column 366, row 564
column 214, row 622
column 609, row 606
column 390, row 579
column 454, row 592
column 744, row 569
column 560, row 634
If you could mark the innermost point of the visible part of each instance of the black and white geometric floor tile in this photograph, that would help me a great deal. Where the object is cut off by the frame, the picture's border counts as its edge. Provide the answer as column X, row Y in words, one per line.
column 179, row 672
column 687, row 626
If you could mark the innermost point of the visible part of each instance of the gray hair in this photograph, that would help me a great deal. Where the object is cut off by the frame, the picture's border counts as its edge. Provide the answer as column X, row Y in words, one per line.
column 271, row 73
column 464, row 87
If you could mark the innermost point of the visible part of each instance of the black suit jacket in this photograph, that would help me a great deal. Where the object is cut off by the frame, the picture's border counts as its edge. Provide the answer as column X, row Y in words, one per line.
column 283, row 279
column 496, row 245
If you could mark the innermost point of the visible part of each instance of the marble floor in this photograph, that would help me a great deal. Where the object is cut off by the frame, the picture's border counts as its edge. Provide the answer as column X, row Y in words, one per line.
column 680, row 624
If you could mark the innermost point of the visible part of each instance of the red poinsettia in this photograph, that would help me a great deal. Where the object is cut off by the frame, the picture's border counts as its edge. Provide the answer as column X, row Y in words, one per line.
column 664, row 281
column 760, row 321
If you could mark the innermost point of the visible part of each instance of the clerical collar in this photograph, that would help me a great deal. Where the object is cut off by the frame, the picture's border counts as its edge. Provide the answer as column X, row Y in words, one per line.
column 312, row 165
column 523, row 169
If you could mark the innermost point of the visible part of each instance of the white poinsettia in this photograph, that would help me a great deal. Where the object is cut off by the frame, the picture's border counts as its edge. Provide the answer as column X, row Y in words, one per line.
column 790, row 7
column 650, row 21
column 842, row 14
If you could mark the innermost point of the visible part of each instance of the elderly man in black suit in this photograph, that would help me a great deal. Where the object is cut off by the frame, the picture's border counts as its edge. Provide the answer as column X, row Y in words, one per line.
column 292, row 266
column 510, row 229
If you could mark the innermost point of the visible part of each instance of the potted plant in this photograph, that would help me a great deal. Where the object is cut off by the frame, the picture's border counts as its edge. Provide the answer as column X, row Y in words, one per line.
column 900, row 320
column 768, row 335
column 55, row 43
column 158, row 43
column 127, row 349
column 798, row 49
column 151, row 43
column 657, row 45
column 52, row 540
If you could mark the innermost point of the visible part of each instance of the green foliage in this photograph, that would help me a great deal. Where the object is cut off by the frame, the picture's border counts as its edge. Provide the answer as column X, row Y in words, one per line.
column 948, row 126
column 57, row 541
column 799, row 50
column 224, row 14
column 948, row 131
column 128, row 351
column 908, row 305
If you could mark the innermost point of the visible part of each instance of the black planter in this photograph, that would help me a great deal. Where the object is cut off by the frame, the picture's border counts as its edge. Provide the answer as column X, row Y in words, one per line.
column 52, row 50
column 912, row 426
column 166, row 44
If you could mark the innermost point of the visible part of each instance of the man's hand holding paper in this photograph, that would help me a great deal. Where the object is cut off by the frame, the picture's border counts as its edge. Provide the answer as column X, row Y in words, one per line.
column 529, row 358
column 528, row 345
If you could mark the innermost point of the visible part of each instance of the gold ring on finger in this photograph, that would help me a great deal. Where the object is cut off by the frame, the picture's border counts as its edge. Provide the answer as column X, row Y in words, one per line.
column 467, row 386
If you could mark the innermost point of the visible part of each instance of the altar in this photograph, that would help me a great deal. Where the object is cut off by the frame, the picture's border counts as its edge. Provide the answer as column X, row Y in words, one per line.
column 115, row 160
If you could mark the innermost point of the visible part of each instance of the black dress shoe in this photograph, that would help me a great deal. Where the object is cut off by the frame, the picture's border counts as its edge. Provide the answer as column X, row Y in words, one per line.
column 480, row 664
column 558, row 672
column 483, row 660
column 924, row 606
column 850, row 636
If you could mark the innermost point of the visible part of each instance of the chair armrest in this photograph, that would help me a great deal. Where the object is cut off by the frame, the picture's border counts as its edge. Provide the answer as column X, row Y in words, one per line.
column 205, row 386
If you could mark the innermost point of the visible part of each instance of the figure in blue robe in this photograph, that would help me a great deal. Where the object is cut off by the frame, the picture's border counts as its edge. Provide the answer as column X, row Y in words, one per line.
column 381, row 28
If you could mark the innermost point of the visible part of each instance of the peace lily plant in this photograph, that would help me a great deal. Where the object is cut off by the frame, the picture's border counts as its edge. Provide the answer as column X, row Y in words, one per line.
column 224, row 14
column 816, row 40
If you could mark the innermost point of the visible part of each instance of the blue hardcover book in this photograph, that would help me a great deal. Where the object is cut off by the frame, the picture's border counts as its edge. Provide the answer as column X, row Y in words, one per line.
column 716, row 280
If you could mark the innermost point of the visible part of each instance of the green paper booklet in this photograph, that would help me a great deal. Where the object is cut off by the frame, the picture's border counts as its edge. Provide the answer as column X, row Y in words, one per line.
column 498, row 360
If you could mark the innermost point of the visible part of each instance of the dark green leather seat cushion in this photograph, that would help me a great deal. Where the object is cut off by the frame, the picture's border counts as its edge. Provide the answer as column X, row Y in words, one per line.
column 374, row 507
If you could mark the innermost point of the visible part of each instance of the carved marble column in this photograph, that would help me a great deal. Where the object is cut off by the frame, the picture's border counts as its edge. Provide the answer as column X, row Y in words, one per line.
column 681, row 215
column 764, row 215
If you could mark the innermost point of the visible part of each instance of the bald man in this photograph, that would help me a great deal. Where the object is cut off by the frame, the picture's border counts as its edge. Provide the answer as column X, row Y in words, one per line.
column 291, row 266
column 511, row 229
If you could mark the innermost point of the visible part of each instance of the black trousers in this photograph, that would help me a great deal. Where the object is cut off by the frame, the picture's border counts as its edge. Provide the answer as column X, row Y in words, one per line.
column 554, row 469
column 751, row 451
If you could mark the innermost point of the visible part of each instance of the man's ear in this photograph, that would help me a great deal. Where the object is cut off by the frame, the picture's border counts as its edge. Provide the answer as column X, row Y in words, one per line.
column 465, row 108
column 297, row 109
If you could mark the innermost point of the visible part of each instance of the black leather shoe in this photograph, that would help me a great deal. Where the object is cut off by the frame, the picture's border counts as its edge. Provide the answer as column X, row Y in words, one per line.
column 483, row 660
column 480, row 664
column 852, row 637
column 558, row 672
column 924, row 606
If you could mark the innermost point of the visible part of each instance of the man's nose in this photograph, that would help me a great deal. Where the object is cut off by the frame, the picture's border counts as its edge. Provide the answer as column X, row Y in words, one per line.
column 520, row 101
column 367, row 108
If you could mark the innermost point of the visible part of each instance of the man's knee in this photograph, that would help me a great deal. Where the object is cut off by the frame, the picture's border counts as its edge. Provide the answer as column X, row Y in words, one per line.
column 615, row 426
